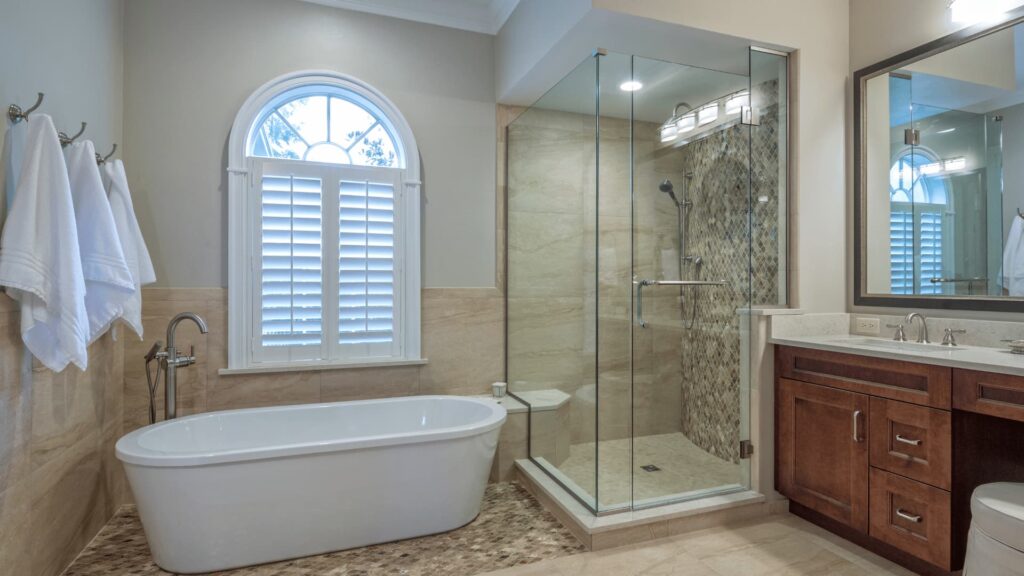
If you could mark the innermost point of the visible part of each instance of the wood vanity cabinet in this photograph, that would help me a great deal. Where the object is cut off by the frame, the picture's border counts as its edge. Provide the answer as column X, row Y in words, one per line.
column 823, row 450
column 865, row 444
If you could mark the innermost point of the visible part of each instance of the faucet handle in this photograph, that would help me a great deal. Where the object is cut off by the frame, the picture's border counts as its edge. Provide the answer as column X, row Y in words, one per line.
column 900, row 335
column 949, row 338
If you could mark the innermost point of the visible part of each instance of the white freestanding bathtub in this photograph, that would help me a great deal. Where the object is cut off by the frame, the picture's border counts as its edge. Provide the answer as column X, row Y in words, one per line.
column 228, row 489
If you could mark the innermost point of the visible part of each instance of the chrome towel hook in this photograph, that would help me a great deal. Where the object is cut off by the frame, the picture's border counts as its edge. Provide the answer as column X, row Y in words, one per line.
column 15, row 113
column 101, row 160
column 65, row 140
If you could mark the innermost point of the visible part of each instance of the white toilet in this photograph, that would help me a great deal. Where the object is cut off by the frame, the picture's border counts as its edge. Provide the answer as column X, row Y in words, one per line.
column 995, row 543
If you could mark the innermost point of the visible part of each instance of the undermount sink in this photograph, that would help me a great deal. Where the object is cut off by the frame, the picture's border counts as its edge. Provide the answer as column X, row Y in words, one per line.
column 904, row 346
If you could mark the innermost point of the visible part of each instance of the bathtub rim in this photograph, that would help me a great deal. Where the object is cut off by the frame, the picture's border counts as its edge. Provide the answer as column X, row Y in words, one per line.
column 130, row 452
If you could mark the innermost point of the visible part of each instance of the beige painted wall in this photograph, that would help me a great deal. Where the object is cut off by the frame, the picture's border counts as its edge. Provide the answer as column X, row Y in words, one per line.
column 72, row 51
column 818, row 30
column 191, row 63
column 59, row 479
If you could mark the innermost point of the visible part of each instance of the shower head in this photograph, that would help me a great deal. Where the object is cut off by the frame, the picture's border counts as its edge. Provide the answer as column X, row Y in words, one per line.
column 666, row 187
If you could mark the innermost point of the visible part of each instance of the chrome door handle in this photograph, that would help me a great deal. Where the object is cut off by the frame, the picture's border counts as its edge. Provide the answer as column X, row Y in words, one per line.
column 640, row 292
column 640, row 303
column 908, row 516
column 906, row 440
column 856, row 425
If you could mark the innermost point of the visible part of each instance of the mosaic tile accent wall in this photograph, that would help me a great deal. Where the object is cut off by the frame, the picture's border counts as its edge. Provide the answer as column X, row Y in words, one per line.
column 719, row 234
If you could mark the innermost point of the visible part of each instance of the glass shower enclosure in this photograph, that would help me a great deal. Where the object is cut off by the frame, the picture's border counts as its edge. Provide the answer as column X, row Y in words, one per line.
column 645, row 218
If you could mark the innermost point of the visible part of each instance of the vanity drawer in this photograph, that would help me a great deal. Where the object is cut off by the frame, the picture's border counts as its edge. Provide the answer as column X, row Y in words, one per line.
column 911, row 516
column 999, row 395
column 912, row 441
column 911, row 382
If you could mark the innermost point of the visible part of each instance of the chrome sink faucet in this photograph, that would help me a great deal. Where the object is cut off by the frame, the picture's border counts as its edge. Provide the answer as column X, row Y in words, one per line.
column 922, row 332
column 169, row 361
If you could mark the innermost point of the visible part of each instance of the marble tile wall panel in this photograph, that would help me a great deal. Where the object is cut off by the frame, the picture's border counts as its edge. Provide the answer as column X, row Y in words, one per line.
column 59, row 479
column 721, row 234
column 462, row 340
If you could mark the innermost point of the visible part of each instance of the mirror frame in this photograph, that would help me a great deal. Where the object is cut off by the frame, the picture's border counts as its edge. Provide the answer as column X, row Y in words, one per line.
column 861, row 297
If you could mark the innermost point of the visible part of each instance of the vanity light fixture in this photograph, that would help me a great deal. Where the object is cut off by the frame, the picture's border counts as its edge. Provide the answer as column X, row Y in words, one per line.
column 955, row 164
column 686, row 123
column 734, row 104
column 973, row 11
column 707, row 114
column 668, row 132
column 630, row 86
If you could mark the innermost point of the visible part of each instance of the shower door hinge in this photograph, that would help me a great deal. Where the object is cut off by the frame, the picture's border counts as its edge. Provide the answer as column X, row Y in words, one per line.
column 912, row 137
column 746, row 449
column 749, row 117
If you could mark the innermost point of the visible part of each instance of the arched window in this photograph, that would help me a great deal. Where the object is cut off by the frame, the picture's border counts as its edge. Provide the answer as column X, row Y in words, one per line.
column 324, row 227
column 918, row 195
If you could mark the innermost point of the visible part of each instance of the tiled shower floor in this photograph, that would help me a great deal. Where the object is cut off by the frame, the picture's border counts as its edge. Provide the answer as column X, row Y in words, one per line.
column 511, row 530
column 684, row 467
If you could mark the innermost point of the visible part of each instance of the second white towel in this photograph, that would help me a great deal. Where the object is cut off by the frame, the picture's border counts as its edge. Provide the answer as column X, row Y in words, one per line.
column 108, row 281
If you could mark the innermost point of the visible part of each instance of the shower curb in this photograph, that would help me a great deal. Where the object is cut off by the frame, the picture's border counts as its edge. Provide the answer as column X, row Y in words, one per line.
column 632, row 527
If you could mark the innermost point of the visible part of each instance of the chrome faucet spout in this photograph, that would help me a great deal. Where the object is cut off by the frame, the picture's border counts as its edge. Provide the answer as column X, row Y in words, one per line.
column 173, row 325
column 922, row 332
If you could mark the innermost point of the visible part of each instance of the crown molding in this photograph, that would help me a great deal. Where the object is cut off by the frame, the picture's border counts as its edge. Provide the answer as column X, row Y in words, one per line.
column 483, row 16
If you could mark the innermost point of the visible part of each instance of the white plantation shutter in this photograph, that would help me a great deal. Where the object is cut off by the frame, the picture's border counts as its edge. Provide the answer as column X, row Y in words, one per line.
column 366, row 267
column 320, row 301
column 916, row 248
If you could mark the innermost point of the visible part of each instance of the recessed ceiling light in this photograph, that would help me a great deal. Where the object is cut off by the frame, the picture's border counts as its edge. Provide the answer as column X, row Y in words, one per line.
column 630, row 86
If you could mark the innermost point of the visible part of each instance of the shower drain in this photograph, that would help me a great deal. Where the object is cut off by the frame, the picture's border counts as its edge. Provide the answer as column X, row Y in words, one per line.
column 650, row 468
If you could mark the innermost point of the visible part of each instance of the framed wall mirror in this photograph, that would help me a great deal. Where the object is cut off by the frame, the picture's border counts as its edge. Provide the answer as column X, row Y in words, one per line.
column 939, row 173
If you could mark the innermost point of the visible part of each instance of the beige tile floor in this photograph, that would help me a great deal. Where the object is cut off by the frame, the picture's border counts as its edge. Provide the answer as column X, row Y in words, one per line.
column 684, row 468
column 773, row 546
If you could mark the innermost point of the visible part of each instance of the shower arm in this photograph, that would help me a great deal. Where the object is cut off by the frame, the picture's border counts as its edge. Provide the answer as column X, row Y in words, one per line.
column 640, row 284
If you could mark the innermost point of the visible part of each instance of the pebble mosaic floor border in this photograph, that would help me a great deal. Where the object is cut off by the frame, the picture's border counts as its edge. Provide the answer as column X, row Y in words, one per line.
column 511, row 530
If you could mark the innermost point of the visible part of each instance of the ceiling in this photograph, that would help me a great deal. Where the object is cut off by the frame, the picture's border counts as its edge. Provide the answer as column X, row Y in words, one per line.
column 484, row 16
column 664, row 86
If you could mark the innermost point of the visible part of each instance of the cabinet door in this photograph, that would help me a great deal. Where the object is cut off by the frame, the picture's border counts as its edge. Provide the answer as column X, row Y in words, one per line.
column 822, row 454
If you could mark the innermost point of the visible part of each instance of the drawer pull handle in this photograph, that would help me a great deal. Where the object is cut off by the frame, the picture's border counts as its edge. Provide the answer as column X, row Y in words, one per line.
column 856, row 425
column 906, row 440
column 908, row 516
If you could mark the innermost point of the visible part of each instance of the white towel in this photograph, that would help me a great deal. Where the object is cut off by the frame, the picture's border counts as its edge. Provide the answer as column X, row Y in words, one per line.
column 108, row 281
column 132, row 243
column 39, row 258
column 1013, row 258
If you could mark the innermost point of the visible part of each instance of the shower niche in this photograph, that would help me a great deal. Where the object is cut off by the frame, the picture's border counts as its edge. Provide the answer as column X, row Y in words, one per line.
column 646, row 216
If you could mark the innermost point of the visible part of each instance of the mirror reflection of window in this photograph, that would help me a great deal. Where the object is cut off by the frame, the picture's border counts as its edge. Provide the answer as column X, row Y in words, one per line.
column 918, row 204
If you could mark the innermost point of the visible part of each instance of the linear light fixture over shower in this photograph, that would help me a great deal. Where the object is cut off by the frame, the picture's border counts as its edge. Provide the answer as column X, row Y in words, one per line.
column 703, row 117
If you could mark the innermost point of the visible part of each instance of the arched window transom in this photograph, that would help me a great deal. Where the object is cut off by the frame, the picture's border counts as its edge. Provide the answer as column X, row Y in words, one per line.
column 325, row 124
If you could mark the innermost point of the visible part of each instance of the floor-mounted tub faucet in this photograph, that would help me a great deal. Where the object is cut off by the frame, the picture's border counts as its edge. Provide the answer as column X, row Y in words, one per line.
column 169, row 361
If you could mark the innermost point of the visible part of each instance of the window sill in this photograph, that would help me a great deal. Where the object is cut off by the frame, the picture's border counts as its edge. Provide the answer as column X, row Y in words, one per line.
column 319, row 367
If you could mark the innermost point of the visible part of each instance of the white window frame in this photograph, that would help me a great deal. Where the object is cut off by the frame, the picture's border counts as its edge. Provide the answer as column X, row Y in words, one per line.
column 244, row 209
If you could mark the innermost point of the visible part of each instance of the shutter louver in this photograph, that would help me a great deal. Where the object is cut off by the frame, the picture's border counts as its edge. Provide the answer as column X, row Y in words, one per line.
column 366, row 267
column 901, row 251
column 292, row 262
column 931, row 251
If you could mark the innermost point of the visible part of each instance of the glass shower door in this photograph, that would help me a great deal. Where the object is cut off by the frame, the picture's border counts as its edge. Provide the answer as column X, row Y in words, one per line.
column 708, row 177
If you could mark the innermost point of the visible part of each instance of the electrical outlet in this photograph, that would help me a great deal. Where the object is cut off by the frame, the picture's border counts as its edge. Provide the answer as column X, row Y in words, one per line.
column 867, row 326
